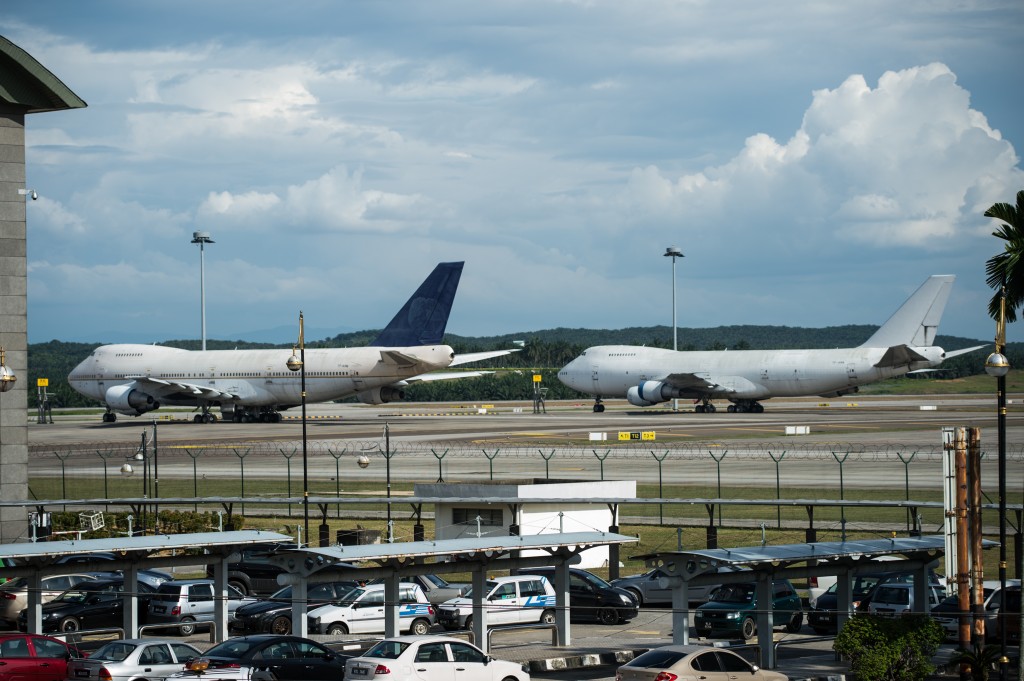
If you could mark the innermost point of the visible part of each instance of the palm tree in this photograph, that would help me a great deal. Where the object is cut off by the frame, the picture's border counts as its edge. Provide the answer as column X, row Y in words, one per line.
column 979, row 660
column 1007, row 268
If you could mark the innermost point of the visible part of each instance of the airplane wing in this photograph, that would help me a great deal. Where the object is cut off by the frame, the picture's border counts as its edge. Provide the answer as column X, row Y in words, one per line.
column 158, row 387
column 709, row 384
column 468, row 357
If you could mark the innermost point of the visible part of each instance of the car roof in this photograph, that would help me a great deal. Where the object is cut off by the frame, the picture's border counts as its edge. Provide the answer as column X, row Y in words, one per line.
column 183, row 582
column 411, row 638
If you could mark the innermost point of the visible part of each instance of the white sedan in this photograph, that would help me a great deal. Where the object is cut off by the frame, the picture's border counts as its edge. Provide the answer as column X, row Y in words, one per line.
column 430, row 658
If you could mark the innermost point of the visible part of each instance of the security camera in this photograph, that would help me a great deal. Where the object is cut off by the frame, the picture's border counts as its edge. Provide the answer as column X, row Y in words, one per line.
column 34, row 195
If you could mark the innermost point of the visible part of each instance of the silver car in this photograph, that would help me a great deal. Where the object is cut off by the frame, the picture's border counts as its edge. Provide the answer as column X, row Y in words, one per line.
column 184, row 602
column 14, row 594
column 132, row 659
column 649, row 589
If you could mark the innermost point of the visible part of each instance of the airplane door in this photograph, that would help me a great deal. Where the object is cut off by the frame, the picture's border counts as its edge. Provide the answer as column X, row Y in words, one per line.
column 595, row 379
column 851, row 372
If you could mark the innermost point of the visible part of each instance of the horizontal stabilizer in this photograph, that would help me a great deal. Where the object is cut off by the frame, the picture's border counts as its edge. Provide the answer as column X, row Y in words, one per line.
column 397, row 358
column 467, row 357
column 963, row 351
column 899, row 356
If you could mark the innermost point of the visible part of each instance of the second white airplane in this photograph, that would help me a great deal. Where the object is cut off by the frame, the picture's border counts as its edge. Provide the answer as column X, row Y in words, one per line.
column 256, row 385
column 647, row 376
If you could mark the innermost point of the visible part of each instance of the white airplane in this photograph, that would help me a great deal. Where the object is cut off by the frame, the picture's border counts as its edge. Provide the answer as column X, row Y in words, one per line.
column 255, row 385
column 647, row 376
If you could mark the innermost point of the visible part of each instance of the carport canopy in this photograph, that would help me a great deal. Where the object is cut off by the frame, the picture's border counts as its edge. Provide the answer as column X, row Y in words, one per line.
column 476, row 555
column 763, row 564
column 36, row 560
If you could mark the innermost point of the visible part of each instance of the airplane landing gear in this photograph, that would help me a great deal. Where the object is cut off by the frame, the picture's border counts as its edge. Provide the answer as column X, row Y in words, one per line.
column 205, row 416
column 598, row 407
column 109, row 417
column 251, row 415
column 745, row 406
column 705, row 406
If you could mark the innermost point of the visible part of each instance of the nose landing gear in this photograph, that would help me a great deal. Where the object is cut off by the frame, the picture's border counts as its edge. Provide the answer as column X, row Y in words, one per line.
column 598, row 406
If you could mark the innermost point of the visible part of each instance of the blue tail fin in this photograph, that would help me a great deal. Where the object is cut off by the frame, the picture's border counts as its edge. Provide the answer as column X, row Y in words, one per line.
column 423, row 318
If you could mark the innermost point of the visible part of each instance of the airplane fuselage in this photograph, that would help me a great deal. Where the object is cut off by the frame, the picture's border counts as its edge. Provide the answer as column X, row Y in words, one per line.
column 249, row 378
column 612, row 370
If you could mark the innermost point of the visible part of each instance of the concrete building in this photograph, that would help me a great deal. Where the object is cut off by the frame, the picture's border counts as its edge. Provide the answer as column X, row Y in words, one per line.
column 26, row 87
column 492, row 509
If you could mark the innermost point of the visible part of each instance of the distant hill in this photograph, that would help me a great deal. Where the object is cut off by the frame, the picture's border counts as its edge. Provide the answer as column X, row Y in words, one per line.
column 545, row 351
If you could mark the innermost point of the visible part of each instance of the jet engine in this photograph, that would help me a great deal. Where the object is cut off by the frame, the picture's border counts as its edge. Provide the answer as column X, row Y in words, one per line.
column 381, row 395
column 126, row 399
column 651, row 392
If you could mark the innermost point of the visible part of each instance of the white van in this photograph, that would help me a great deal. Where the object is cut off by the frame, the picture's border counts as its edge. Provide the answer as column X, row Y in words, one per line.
column 898, row 599
column 509, row 600
column 362, row 611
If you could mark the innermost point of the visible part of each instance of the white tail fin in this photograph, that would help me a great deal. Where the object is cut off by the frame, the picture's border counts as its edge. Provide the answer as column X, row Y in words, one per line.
column 917, row 321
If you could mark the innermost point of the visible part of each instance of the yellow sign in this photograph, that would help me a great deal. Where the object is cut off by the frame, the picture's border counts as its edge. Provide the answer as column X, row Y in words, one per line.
column 637, row 435
column 42, row 382
column 536, row 378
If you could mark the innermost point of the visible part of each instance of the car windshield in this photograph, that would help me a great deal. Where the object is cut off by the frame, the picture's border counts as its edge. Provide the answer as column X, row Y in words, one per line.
column 15, row 584
column 389, row 650
column 436, row 581
column 116, row 651
column 284, row 594
column 488, row 587
column 593, row 580
column 234, row 648
column 734, row 593
column 350, row 596
column 77, row 595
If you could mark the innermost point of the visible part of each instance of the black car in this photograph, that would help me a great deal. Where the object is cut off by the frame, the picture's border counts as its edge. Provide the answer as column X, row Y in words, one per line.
column 96, row 604
column 254, row 574
column 822, row 617
column 274, row 615
column 286, row 657
column 591, row 597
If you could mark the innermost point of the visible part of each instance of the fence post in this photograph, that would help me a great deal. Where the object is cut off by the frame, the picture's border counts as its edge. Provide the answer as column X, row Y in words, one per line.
column 842, row 509
column 195, row 478
column 440, row 476
column 490, row 460
column 337, row 475
column 288, row 458
column 718, row 466
column 63, row 481
column 241, row 465
column 104, row 457
column 601, row 459
column 547, row 470
column 778, row 488
column 906, row 484
column 661, row 518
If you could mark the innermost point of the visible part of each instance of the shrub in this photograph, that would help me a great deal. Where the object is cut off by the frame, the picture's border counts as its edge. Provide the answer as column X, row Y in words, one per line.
column 890, row 648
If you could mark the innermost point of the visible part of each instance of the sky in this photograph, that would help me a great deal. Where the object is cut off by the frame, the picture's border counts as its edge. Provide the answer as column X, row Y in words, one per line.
column 814, row 162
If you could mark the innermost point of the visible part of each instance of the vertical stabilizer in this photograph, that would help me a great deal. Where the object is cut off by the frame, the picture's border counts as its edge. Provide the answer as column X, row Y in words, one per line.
column 917, row 321
column 423, row 318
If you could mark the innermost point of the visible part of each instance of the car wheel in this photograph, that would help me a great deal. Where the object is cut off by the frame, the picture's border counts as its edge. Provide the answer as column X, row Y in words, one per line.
column 469, row 623
column 337, row 629
column 607, row 616
column 748, row 628
column 638, row 596
column 240, row 585
column 793, row 625
column 281, row 625
column 69, row 624
column 547, row 617
column 420, row 627
column 188, row 626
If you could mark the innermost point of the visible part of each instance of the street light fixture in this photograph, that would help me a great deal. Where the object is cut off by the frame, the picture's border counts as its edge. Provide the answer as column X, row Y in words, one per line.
column 7, row 377
column 202, row 238
column 673, row 252
column 998, row 366
column 299, row 364
column 141, row 455
column 364, row 461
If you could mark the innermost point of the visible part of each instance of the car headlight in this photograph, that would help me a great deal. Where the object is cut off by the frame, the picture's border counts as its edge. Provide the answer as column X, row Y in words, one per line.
column 50, row 616
column 628, row 600
column 732, row 615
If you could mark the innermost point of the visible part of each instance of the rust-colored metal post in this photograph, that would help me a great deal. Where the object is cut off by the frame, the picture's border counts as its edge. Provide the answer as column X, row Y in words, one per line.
column 977, row 565
column 963, row 587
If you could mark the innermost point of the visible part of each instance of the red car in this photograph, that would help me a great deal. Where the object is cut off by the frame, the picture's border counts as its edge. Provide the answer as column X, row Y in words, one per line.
column 33, row 657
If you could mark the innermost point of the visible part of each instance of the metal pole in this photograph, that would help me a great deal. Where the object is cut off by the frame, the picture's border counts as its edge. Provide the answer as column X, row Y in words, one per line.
column 305, row 458
column 202, row 289
column 387, row 457
column 674, row 253
column 156, row 482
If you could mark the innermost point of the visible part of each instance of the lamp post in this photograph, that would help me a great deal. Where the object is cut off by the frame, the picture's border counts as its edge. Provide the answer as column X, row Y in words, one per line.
column 299, row 364
column 140, row 456
column 673, row 252
column 364, row 461
column 997, row 365
column 202, row 238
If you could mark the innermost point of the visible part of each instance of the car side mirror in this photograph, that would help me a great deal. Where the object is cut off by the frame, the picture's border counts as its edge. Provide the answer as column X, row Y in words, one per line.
column 487, row 660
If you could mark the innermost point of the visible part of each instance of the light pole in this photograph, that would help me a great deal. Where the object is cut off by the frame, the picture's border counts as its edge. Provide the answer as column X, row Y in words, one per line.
column 299, row 364
column 202, row 238
column 140, row 456
column 673, row 252
column 997, row 365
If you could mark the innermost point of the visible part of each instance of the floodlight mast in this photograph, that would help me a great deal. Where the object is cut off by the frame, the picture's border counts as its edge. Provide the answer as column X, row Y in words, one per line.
column 673, row 252
column 202, row 238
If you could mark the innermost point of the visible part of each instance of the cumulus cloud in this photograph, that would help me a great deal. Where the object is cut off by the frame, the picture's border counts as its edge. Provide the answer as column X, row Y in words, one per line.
column 906, row 163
